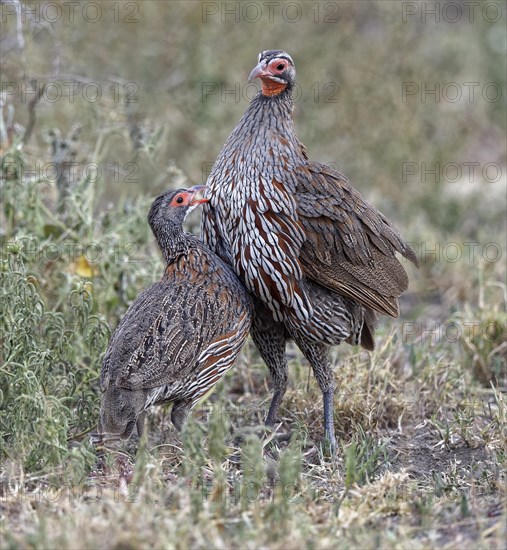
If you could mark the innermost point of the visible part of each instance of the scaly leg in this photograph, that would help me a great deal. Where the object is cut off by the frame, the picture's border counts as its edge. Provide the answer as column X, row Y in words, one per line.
column 179, row 413
column 317, row 355
column 270, row 337
column 329, row 435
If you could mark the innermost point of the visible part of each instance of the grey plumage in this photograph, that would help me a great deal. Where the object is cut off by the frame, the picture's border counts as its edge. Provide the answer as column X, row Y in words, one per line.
column 318, row 258
column 181, row 335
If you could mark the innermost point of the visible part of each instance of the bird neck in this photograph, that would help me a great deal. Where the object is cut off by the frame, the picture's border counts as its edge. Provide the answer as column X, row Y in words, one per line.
column 267, row 124
column 281, row 102
column 263, row 139
column 267, row 114
column 172, row 240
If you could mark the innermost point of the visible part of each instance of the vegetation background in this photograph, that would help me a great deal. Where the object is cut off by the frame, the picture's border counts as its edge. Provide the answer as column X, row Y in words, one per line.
column 104, row 105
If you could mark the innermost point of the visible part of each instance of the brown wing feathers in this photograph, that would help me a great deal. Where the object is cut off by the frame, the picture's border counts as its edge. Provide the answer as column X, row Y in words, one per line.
column 350, row 246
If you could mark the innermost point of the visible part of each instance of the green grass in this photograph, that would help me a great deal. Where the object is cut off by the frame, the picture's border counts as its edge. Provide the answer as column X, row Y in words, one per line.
column 422, row 428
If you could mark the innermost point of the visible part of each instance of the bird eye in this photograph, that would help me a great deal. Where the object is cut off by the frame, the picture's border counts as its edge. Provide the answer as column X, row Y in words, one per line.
column 280, row 67
column 179, row 200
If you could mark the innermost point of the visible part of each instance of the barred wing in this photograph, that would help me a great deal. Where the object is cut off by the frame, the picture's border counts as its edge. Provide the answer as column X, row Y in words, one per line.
column 350, row 245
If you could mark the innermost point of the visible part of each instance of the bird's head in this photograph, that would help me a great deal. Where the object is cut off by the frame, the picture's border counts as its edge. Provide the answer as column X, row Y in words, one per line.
column 173, row 206
column 276, row 70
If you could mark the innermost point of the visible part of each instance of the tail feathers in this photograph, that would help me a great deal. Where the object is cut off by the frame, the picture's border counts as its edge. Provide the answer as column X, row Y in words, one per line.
column 368, row 331
column 367, row 339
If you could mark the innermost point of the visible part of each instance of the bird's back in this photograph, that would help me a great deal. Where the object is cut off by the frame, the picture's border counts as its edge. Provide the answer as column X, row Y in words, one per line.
column 169, row 327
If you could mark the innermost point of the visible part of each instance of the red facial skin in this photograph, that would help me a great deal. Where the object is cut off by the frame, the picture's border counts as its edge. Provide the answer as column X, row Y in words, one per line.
column 186, row 198
column 269, row 74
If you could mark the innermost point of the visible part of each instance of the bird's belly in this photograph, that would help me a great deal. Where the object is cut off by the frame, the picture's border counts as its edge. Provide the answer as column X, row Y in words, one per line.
column 334, row 319
column 163, row 394
column 257, row 221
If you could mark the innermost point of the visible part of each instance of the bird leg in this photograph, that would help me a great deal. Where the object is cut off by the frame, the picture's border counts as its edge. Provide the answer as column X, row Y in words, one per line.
column 179, row 413
column 328, row 397
column 140, row 424
column 269, row 338
column 317, row 355
column 275, row 402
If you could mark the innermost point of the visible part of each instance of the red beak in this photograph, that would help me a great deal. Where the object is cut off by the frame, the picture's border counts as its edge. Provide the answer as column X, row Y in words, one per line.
column 197, row 189
column 198, row 201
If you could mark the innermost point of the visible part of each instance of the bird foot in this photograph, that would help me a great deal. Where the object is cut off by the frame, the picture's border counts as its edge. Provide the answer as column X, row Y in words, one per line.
column 126, row 474
column 328, row 445
column 274, row 434
column 271, row 420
